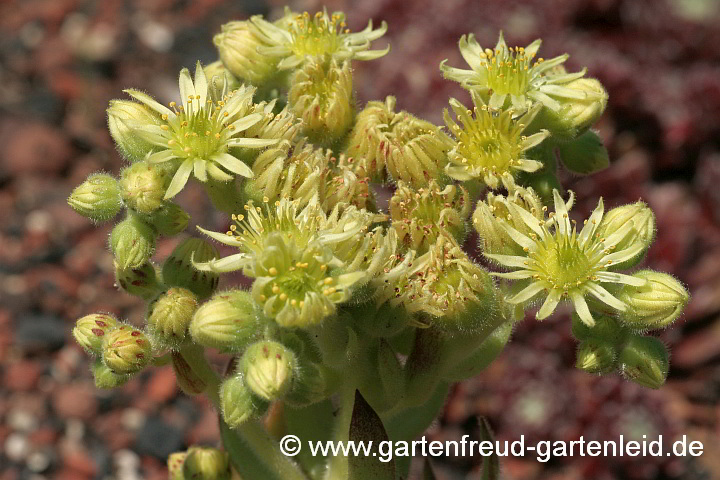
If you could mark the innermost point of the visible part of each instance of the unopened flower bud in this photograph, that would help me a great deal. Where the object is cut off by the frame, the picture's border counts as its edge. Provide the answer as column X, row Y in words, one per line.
column 217, row 75
column 132, row 242
column 90, row 331
column 321, row 94
column 494, row 239
column 143, row 186
column 237, row 45
column 205, row 463
column 133, row 146
column 175, row 464
column 641, row 235
column 412, row 149
column 584, row 155
column 579, row 112
column 169, row 220
column 126, row 350
column 97, row 198
column 310, row 383
column 655, row 305
column 421, row 214
column 140, row 281
column 188, row 381
column 606, row 329
column 595, row 356
column 268, row 369
column 169, row 316
column 178, row 269
column 645, row 361
column 229, row 321
column 105, row 378
column 237, row 403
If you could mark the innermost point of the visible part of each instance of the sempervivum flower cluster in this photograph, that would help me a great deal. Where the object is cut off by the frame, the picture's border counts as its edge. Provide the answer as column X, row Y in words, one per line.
column 197, row 135
column 512, row 76
column 295, row 37
column 345, row 298
column 304, row 262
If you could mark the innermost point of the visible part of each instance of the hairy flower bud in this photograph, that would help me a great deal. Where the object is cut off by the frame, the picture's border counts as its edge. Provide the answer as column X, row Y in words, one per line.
column 237, row 403
column 170, row 219
column 268, row 369
column 90, row 331
column 143, row 186
column 606, row 330
column 126, row 350
column 421, row 215
column 412, row 150
column 169, row 316
column 642, row 220
column 656, row 304
column 178, row 269
column 237, row 45
column 310, row 383
column 205, row 463
column 140, row 281
column 175, row 464
column 645, row 361
column 219, row 76
column 585, row 154
column 132, row 242
column 595, row 356
column 97, row 198
column 105, row 378
column 132, row 146
column 494, row 238
column 227, row 321
column 582, row 107
column 321, row 95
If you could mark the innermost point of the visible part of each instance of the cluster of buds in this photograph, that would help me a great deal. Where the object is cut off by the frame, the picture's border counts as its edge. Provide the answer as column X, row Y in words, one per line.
column 343, row 296
column 121, row 350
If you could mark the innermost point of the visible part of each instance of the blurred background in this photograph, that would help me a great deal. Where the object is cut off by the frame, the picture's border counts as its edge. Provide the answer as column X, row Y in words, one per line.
column 61, row 61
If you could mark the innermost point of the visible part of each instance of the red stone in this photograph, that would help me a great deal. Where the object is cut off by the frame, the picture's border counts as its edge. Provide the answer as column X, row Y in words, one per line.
column 36, row 148
column 22, row 376
column 76, row 400
column 162, row 387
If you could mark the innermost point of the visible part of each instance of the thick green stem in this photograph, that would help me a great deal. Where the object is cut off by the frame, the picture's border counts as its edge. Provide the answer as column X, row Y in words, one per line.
column 194, row 355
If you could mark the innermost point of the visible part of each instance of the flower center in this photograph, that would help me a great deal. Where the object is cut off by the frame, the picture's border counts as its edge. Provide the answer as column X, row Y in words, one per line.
column 485, row 145
column 562, row 263
column 316, row 35
column 508, row 71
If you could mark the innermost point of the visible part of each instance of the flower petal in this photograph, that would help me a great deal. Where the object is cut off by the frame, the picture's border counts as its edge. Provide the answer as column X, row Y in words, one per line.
column 549, row 305
column 162, row 156
column 526, row 293
column 199, row 170
column 613, row 277
column 233, row 164
column 581, row 308
column 222, row 237
column 509, row 260
column 252, row 142
column 604, row 296
column 180, row 179
column 230, row 263
column 187, row 89
column 150, row 102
